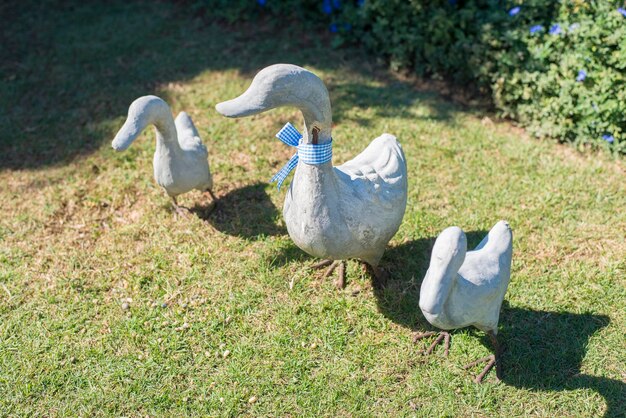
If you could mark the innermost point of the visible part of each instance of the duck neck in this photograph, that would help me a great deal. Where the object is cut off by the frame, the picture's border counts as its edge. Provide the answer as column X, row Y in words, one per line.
column 315, row 177
column 435, row 289
column 166, row 136
column 317, row 126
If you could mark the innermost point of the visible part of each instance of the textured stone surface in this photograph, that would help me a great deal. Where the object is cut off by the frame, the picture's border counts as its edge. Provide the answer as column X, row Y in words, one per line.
column 349, row 211
column 467, row 288
column 180, row 159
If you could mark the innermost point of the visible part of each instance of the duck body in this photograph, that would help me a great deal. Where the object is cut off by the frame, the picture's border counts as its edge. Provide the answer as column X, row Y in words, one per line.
column 467, row 289
column 180, row 160
column 352, row 210
column 186, row 167
column 335, row 213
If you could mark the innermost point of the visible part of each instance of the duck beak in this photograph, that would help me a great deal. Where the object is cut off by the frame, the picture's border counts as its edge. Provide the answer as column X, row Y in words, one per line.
column 247, row 104
column 129, row 132
column 257, row 99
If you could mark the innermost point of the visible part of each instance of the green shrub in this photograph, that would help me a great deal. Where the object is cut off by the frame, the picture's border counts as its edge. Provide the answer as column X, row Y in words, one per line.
column 564, row 79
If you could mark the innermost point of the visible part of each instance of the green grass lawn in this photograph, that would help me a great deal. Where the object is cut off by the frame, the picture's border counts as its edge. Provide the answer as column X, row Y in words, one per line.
column 112, row 305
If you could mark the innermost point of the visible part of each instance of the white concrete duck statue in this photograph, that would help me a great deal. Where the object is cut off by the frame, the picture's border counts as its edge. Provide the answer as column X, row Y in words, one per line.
column 180, row 160
column 464, row 288
column 335, row 213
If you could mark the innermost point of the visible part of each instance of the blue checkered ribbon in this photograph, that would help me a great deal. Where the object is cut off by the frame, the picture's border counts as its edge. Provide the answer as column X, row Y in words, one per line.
column 309, row 153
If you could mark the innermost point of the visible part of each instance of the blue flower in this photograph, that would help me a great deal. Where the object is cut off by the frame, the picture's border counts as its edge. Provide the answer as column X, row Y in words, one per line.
column 261, row 2
column 327, row 8
column 555, row 29
column 574, row 26
column 622, row 11
column 360, row 3
column 536, row 28
column 337, row 4
column 452, row 2
column 608, row 138
column 514, row 11
column 582, row 74
column 332, row 27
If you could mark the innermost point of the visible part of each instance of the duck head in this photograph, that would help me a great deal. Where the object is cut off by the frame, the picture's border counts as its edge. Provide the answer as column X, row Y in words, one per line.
column 286, row 85
column 447, row 258
column 146, row 110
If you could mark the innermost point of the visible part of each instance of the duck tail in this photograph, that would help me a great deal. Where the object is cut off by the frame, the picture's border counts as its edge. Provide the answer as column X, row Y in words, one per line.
column 499, row 239
column 184, row 124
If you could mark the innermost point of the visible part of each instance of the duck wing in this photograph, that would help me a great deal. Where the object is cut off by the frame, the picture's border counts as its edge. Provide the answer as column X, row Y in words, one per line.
column 485, row 275
column 378, row 172
column 188, row 136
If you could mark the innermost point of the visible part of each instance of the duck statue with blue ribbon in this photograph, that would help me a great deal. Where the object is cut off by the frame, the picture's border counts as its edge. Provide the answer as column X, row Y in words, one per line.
column 335, row 213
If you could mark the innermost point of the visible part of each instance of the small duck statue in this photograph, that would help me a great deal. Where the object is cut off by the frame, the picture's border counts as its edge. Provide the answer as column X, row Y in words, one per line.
column 180, row 160
column 467, row 288
column 334, row 213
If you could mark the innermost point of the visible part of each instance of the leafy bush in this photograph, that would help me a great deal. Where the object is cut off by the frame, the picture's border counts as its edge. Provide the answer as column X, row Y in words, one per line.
column 556, row 67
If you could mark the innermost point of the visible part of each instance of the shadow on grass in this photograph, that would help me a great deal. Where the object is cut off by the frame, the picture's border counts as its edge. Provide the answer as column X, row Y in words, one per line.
column 543, row 350
column 247, row 212
column 288, row 254
column 394, row 99
column 69, row 69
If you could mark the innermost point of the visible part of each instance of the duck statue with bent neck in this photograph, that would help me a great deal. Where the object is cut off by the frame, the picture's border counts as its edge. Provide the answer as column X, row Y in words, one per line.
column 466, row 288
column 349, row 211
column 180, row 159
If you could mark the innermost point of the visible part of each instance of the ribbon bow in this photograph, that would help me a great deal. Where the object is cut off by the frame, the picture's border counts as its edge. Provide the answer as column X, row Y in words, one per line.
column 309, row 153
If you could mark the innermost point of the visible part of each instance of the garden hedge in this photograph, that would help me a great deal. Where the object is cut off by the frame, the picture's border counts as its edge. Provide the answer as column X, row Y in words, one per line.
column 558, row 68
